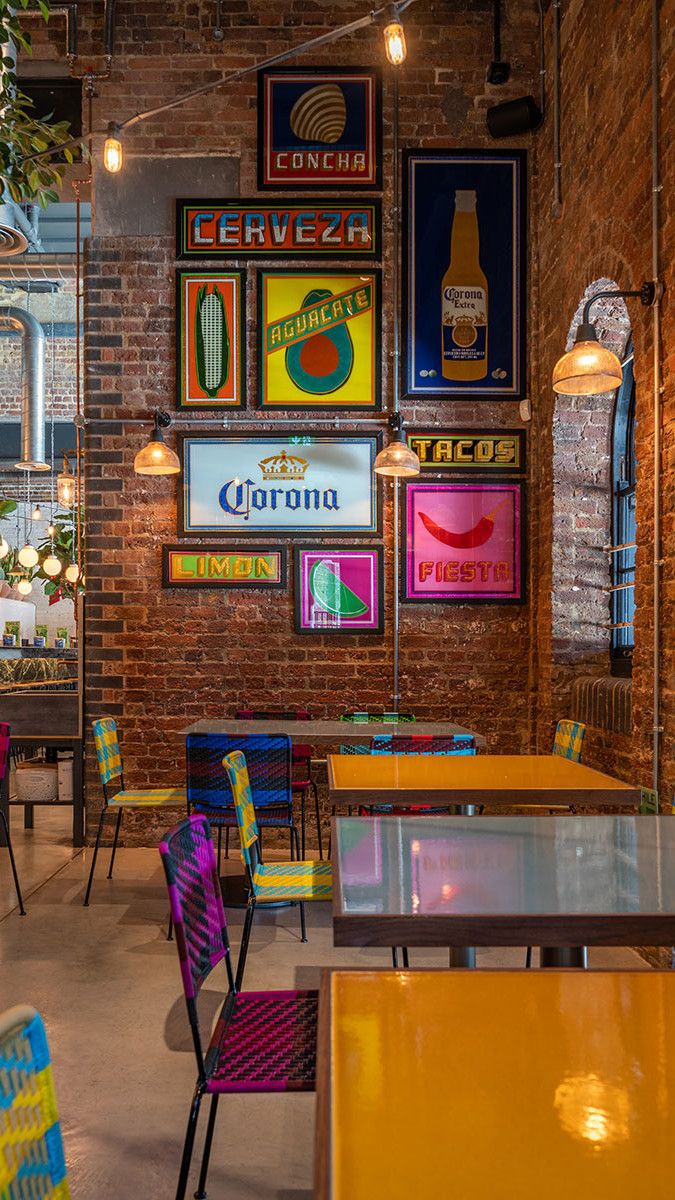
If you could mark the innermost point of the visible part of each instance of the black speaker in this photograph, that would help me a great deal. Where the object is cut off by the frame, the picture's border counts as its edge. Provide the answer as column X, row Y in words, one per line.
column 513, row 117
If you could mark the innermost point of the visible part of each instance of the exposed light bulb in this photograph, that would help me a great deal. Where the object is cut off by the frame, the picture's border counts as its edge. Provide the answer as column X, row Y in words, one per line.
column 28, row 556
column 394, row 43
column 72, row 573
column 25, row 587
column 65, row 485
column 36, row 514
column 52, row 565
column 51, row 530
column 4, row 548
column 113, row 154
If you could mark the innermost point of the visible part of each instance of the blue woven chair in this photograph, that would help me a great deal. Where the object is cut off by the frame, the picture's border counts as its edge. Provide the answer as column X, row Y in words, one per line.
column 32, row 1162
column 568, row 740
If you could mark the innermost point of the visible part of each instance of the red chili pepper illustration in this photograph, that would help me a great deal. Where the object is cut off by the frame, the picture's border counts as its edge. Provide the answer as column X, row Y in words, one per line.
column 477, row 536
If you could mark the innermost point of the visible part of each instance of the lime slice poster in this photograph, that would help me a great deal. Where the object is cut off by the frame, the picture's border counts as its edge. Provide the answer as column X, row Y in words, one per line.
column 339, row 590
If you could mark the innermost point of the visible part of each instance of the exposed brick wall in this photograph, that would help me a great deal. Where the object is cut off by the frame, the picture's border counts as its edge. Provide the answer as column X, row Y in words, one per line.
column 64, row 377
column 604, row 231
column 159, row 660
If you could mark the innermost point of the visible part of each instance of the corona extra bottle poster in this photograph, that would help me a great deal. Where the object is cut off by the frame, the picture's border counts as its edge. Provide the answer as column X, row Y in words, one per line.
column 464, row 300
column 210, row 360
column 296, row 484
column 319, row 339
column 464, row 543
column 338, row 589
column 319, row 128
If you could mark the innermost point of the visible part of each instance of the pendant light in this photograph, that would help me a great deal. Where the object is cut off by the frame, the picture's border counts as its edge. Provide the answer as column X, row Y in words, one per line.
column 72, row 572
column 589, row 368
column 28, row 556
column 394, row 38
column 25, row 587
column 65, row 485
column 157, row 458
column 36, row 514
column 113, row 154
column 51, row 565
column 397, row 459
column 4, row 548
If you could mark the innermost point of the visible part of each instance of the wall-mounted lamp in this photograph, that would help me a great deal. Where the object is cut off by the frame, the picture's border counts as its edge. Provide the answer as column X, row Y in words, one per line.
column 394, row 38
column 113, row 154
column 157, row 458
column 65, row 485
column 589, row 369
column 397, row 459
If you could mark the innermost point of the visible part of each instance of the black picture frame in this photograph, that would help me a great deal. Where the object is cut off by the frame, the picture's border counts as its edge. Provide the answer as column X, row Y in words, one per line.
column 332, row 551
column 223, row 548
column 466, row 468
column 214, row 274
column 326, row 209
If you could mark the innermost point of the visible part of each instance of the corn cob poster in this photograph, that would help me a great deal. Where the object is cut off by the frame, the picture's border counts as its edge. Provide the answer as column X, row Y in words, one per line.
column 319, row 339
column 210, row 343
column 464, row 543
column 338, row 589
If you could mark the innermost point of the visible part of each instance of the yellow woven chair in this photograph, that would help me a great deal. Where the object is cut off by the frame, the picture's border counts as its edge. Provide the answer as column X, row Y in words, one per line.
column 32, row 1162
column 109, row 759
column 568, row 740
column 270, row 883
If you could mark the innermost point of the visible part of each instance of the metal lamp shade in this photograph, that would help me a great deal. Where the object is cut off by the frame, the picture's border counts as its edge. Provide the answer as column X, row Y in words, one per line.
column 588, row 369
column 397, row 460
column 156, row 459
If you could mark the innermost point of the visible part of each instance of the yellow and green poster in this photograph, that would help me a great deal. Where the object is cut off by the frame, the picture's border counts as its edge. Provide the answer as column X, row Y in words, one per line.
column 319, row 339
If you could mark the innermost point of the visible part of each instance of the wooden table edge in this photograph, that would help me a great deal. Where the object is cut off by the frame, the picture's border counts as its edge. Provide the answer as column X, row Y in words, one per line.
column 496, row 929
column 322, row 1119
column 620, row 797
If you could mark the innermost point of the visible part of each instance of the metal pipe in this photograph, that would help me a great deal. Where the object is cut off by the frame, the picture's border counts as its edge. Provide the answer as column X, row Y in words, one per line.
column 396, row 201
column 542, row 62
column 33, row 393
column 656, row 350
column 55, row 268
column 557, row 156
column 109, row 28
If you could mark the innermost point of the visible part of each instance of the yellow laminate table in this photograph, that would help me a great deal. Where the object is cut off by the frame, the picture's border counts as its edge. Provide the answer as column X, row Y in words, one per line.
column 508, row 779
column 510, row 1084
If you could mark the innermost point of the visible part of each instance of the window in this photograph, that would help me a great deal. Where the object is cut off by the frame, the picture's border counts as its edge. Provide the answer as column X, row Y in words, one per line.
column 622, row 605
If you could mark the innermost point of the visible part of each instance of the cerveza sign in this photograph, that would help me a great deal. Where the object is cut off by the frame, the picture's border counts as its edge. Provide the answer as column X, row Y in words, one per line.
column 291, row 485
column 269, row 228
column 494, row 452
column 221, row 567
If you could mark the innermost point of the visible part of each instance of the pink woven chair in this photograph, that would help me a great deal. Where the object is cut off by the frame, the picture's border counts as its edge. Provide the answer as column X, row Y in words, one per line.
column 263, row 1041
column 5, row 731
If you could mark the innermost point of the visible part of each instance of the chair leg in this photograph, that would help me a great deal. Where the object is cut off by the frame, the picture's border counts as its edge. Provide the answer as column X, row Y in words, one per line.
column 243, row 949
column 330, row 835
column 303, row 924
column 114, row 848
column 318, row 816
column 188, row 1146
column 169, row 932
column 394, row 956
column 302, row 820
column 12, row 863
column 200, row 1194
column 528, row 957
column 227, row 841
column 220, row 845
column 93, row 861
column 404, row 952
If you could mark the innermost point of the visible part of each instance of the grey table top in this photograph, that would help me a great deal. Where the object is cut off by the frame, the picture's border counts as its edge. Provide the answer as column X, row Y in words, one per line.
column 331, row 732
column 554, row 881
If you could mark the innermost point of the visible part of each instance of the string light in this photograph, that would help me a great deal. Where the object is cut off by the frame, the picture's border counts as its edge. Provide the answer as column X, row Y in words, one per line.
column 4, row 548
column 65, row 485
column 72, row 573
column 28, row 556
column 36, row 514
column 52, row 565
column 25, row 587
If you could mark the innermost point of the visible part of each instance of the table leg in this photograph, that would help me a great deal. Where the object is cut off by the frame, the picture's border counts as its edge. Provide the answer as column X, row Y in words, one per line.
column 564, row 956
column 78, row 796
column 4, row 804
column 462, row 956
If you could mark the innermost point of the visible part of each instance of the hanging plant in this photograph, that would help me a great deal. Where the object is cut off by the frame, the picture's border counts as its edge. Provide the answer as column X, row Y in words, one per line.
column 21, row 133
column 6, row 508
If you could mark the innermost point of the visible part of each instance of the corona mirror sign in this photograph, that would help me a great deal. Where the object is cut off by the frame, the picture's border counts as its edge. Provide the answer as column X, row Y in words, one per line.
column 292, row 485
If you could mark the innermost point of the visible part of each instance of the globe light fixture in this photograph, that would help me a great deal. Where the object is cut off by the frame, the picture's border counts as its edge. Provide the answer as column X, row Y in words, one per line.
column 28, row 556
column 4, row 548
column 25, row 587
column 589, row 368
column 36, row 514
column 65, row 485
column 394, row 40
column 52, row 565
column 113, row 154
column 397, row 460
column 157, row 458
column 72, row 572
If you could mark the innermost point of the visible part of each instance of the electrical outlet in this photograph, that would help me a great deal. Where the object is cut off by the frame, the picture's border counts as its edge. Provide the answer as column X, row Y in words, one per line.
column 649, row 802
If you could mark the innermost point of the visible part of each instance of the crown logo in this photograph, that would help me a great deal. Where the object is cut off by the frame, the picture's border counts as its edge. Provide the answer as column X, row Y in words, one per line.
column 283, row 466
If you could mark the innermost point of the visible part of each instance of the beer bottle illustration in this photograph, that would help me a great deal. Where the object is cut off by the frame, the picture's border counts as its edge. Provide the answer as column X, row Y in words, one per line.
column 464, row 298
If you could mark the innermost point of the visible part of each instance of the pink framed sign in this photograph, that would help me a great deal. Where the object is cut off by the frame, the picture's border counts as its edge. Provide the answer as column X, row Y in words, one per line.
column 464, row 543
column 338, row 589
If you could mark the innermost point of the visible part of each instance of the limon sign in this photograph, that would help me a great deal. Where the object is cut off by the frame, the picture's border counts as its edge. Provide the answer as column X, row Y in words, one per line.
column 290, row 485
column 222, row 566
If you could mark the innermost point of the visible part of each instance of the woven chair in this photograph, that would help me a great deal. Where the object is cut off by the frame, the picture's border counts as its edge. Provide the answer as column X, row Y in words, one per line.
column 270, row 883
column 387, row 743
column 5, row 731
column 269, row 763
column 32, row 1162
column 109, row 759
column 301, row 759
column 568, row 740
column 384, row 718
column 262, row 1041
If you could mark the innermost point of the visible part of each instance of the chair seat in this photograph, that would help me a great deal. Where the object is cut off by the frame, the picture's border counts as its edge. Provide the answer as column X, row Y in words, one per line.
column 148, row 798
column 307, row 880
column 301, row 752
column 265, row 1042
column 300, row 785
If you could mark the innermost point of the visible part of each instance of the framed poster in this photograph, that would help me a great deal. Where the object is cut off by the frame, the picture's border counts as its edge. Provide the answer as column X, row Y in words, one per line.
column 465, row 273
column 464, row 542
column 469, row 451
column 339, row 589
column 319, row 339
column 319, row 128
column 262, row 228
column 292, row 485
column 210, row 366
column 218, row 566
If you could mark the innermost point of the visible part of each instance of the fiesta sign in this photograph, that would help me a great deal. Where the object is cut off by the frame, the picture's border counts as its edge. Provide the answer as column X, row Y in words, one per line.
column 255, row 485
column 266, row 228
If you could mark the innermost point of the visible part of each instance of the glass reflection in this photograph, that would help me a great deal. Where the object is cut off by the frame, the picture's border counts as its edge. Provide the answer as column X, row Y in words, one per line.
column 593, row 1110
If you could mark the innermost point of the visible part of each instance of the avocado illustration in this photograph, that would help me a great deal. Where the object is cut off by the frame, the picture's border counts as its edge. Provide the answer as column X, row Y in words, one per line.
column 322, row 362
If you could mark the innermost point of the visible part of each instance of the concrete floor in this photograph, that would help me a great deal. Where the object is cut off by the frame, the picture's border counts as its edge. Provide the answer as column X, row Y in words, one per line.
column 107, row 984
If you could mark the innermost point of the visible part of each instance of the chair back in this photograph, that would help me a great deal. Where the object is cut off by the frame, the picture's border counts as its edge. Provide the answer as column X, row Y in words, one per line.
column 268, row 760
column 383, row 718
column 272, row 714
column 108, row 751
column 235, row 765
column 196, row 901
column 568, row 740
column 5, row 731
column 354, row 748
column 386, row 743
column 32, row 1162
